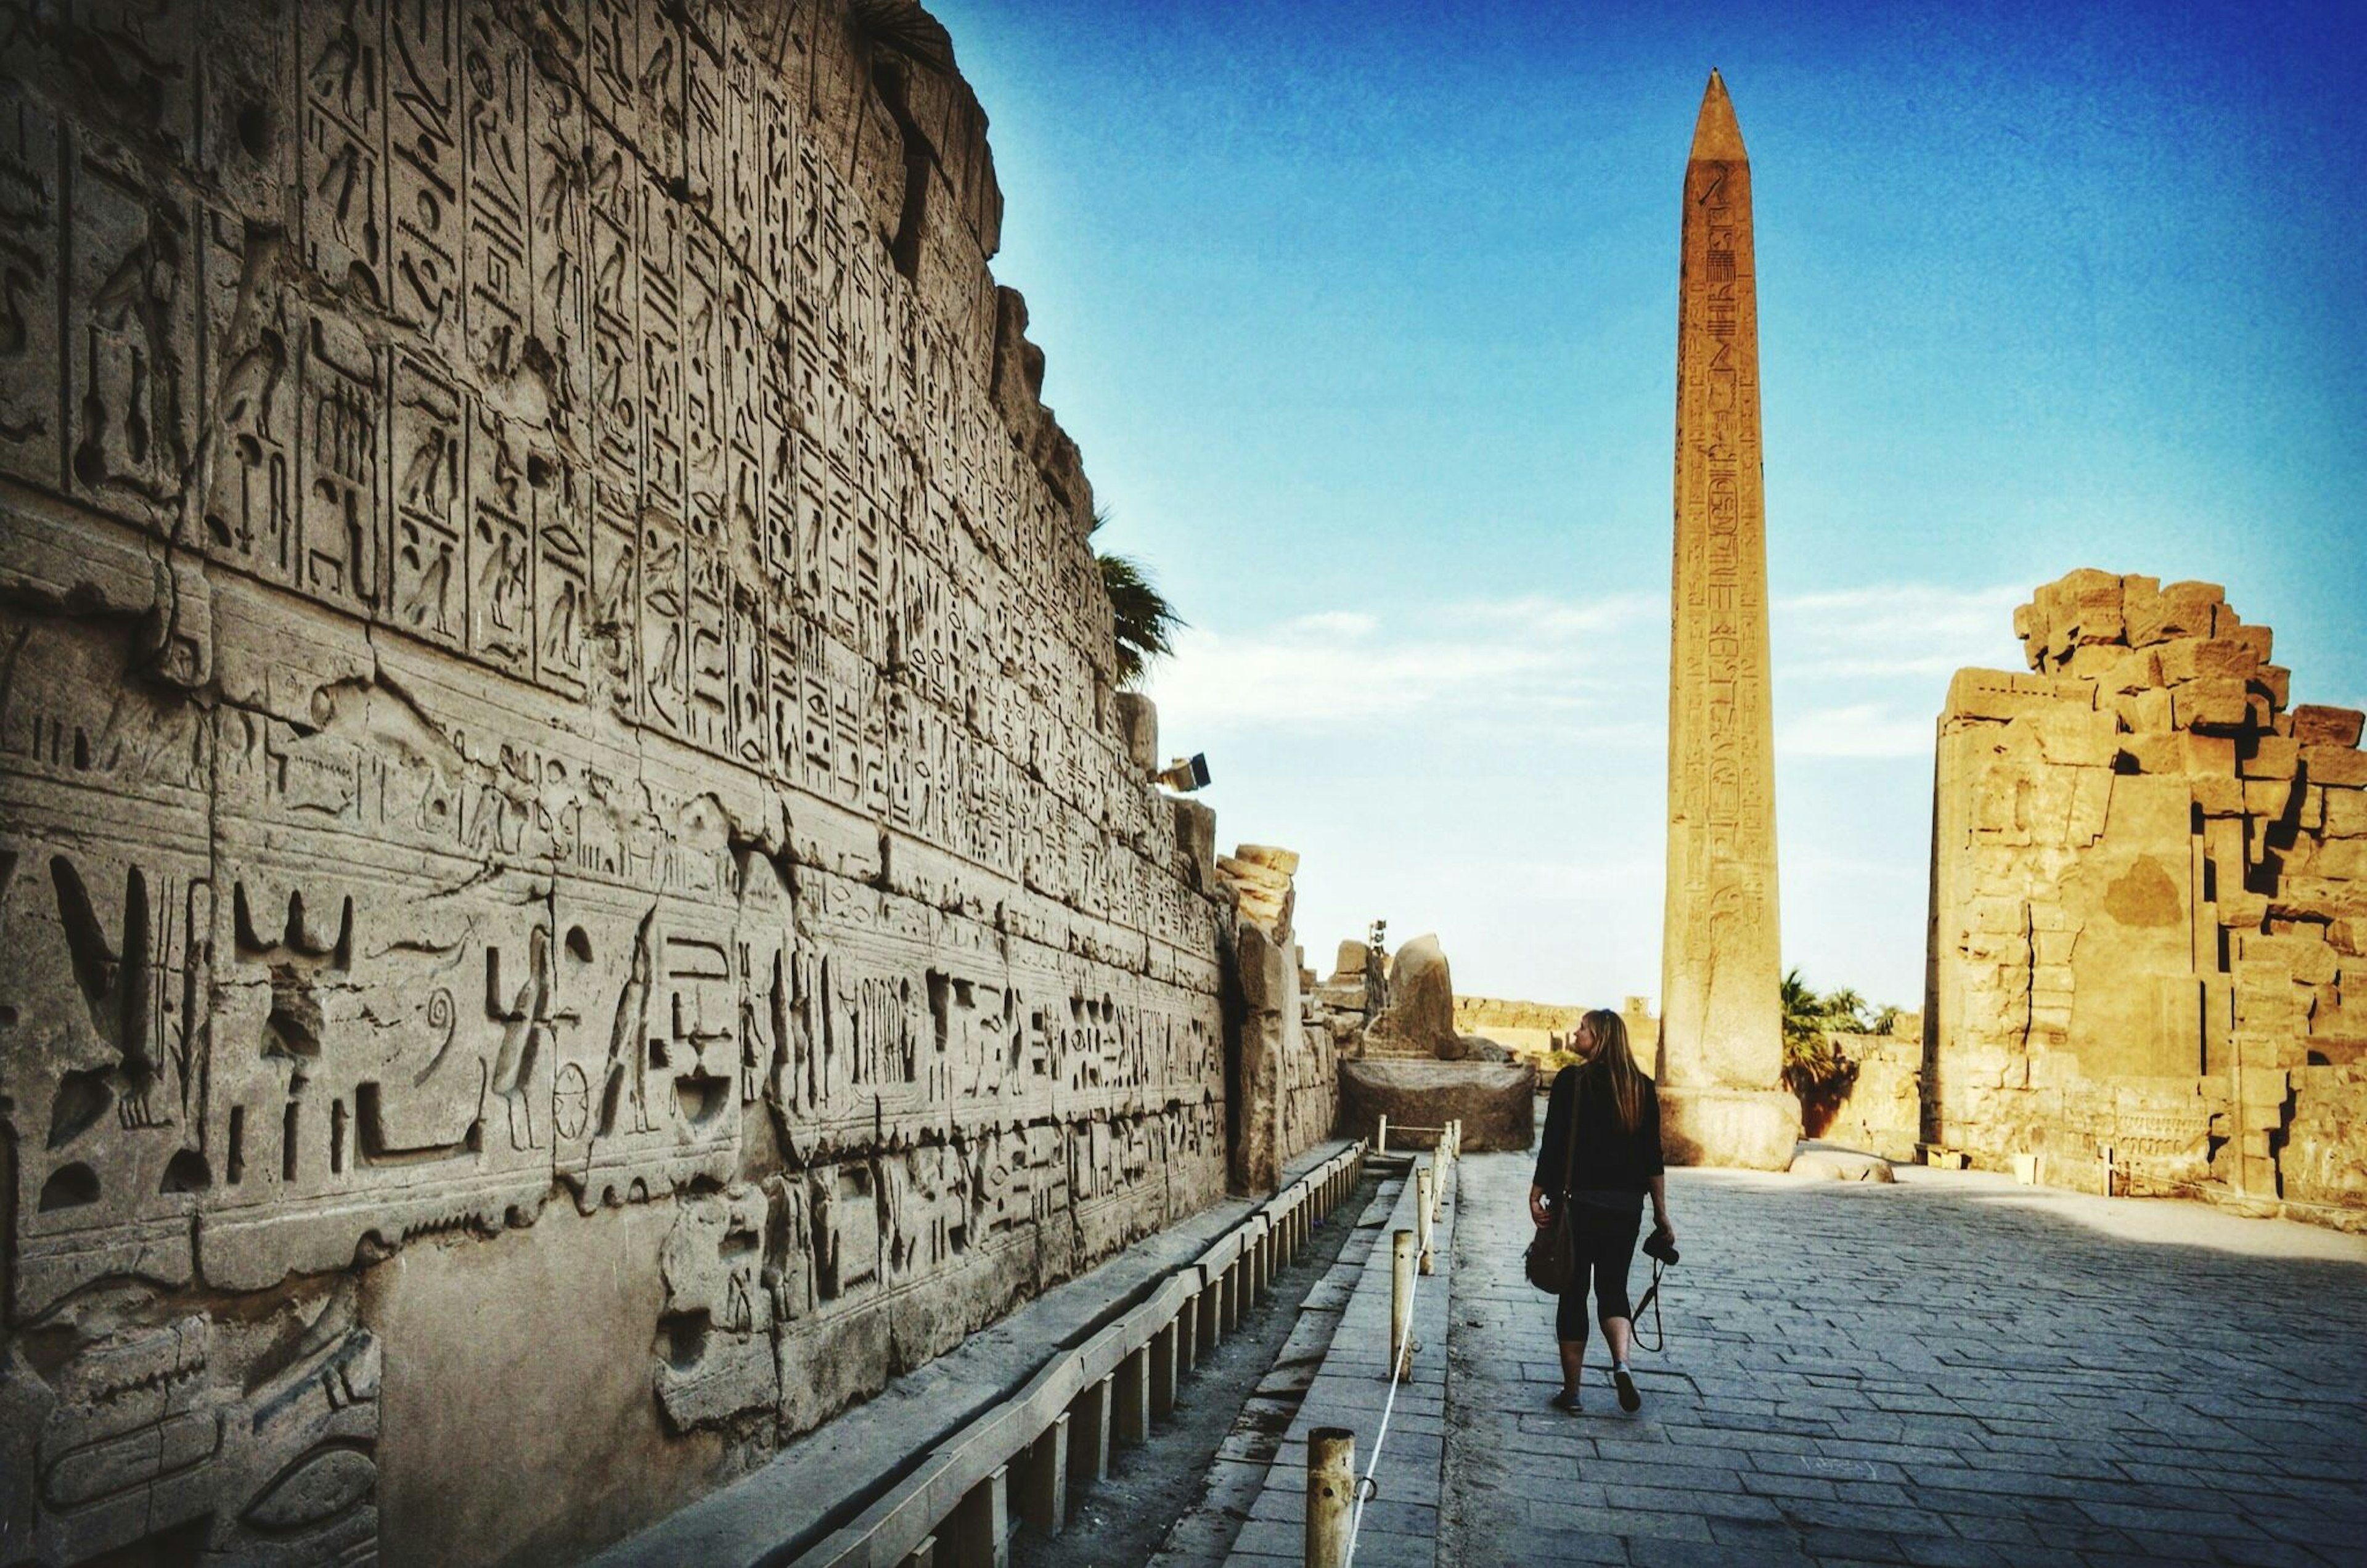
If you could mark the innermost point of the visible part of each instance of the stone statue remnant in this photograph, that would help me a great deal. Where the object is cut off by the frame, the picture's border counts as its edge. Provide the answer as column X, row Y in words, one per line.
column 1720, row 1058
column 1408, row 1061
column 1376, row 971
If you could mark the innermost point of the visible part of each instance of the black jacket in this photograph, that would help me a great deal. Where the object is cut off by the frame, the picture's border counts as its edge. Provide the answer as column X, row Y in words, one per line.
column 1610, row 1157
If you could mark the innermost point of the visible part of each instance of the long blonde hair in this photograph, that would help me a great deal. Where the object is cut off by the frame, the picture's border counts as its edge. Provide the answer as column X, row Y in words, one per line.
column 1614, row 1065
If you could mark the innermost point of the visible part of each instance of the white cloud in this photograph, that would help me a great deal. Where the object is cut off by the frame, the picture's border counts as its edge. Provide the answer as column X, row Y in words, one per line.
column 1914, row 630
column 1503, row 664
column 1856, row 729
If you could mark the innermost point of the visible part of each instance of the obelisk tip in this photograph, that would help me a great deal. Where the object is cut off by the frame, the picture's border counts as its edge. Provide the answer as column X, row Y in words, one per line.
column 1716, row 138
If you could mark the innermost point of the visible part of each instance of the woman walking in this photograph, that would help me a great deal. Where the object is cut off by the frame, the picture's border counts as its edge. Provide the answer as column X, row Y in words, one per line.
column 1602, row 1166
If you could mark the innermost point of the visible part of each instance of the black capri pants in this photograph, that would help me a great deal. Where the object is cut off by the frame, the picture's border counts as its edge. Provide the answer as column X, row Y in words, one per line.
column 1606, row 1245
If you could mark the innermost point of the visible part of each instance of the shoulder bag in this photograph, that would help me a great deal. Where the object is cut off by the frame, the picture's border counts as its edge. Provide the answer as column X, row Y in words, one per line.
column 1552, row 1261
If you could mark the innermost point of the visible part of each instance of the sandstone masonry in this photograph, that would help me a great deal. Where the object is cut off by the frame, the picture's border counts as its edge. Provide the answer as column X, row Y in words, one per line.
column 575, row 890
column 2149, row 906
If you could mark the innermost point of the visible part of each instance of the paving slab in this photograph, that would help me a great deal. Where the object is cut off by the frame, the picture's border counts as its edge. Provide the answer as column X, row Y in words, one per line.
column 1349, row 1388
column 1949, row 1370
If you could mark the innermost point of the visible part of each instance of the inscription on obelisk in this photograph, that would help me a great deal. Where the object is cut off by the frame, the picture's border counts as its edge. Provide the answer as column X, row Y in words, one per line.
column 1721, row 1029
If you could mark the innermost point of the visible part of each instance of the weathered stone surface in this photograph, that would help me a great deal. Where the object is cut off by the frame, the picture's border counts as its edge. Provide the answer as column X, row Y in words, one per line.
column 1720, row 1023
column 1752, row 1129
column 1285, row 1091
column 1825, row 1162
column 2141, row 951
column 2318, row 726
column 1259, row 877
column 1496, row 1102
column 557, row 748
column 1419, row 1019
column 1881, row 1110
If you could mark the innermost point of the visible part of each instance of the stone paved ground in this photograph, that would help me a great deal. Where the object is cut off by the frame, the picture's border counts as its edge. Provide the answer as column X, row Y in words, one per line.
column 1948, row 1370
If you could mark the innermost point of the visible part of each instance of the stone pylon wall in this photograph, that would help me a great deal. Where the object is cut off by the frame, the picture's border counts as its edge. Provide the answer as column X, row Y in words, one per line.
column 572, row 894
column 2149, row 906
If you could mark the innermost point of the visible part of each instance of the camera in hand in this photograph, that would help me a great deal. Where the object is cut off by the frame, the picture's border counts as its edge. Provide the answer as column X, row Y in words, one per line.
column 1663, row 1246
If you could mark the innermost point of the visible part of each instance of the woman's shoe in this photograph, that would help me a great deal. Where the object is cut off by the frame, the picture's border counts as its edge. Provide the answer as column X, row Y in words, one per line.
column 1566, row 1400
column 1630, row 1399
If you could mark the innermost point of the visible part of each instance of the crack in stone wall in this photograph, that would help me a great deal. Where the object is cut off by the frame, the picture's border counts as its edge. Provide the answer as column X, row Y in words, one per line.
column 548, row 655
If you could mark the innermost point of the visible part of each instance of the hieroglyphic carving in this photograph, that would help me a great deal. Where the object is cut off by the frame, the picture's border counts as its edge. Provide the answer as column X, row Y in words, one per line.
column 1721, row 959
column 587, row 692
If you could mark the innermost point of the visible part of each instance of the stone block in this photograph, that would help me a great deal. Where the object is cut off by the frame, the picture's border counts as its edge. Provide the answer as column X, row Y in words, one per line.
column 2316, row 725
column 1496, row 1102
column 2151, row 754
column 1195, row 835
column 1282, row 863
column 1822, row 1162
column 2328, row 764
column 2213, row 704
column 2269, row 757
column 2182, row 609
column 2145, row 713
column 2301, row 955
column 1997, row 694
column 2267, row 798
column 2209, row 753
column 2344, row 812
column 1749, row 1129
column 2218, row 794
column 2209, row 659
column 2273, row 681
column 2077, row 738
column 1137, row 724
column 2343, row 860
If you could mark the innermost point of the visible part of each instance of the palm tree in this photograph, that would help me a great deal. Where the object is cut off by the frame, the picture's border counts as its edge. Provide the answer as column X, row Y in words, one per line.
column 1145, row 623
column 1846, row 1009
column 1814, row 1067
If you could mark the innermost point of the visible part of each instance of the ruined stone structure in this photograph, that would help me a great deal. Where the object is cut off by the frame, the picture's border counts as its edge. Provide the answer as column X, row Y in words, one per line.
column 1881, row 1109
column 2149, row 906
column 575, row 892
column 1410, row 1064
column 1721, row 1049
column 1284, row 1088
column 1537, row 1029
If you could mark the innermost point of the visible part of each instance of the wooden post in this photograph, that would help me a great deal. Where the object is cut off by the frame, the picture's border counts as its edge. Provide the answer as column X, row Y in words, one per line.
column 1331, row 1491
column 1400, row 1301
column 1425, row 1207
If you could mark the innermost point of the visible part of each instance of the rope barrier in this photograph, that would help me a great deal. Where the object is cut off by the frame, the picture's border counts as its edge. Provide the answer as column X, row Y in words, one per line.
column 1367, row 1488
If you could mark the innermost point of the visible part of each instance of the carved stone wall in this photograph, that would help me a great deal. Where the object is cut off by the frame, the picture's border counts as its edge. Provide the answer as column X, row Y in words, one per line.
column 2149, row 906
column 568, row 866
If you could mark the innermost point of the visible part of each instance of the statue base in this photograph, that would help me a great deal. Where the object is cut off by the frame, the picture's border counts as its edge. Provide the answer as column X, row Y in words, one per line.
column 1750, row 1129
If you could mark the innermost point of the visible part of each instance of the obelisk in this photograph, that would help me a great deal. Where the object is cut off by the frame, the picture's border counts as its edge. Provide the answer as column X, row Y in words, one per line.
column 1721, row 1053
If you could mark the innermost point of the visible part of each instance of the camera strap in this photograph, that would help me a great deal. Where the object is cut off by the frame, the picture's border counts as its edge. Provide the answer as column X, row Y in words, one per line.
column 1651, row 1298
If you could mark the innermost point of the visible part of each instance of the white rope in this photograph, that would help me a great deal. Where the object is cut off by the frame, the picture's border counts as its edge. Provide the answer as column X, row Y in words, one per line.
column 1366, row 1488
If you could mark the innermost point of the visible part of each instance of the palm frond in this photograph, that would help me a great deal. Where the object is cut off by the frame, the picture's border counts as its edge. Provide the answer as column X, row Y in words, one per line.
column 1144, row 622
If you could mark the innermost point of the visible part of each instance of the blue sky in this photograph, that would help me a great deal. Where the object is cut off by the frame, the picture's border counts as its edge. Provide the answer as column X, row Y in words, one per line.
column 1364, row 317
